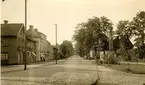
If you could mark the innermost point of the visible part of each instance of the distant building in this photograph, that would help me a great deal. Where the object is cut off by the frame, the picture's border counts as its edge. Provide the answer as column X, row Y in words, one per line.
column 12, row 43
column 43, row 47
column 31, row 50
column 35, row 36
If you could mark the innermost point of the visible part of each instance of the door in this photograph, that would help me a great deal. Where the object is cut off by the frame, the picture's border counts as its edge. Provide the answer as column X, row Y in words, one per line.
column 18, row 57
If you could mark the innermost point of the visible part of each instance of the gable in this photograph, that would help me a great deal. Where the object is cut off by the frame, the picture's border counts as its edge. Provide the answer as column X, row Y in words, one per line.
column 21, row 32
column 10, row 29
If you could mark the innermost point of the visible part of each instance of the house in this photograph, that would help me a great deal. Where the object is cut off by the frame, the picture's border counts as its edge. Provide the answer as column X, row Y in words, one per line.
column 43, row 47
column 35, row 37
column 31, row 49
column 123, row 47
column 12, row 43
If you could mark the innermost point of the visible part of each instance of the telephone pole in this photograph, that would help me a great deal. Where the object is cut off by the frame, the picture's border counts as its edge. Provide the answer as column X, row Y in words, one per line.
column 25, row 56
column 56, row 41
column 110, row 45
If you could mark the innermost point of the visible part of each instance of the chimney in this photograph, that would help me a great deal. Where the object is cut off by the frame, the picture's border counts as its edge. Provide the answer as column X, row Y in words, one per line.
column 5, row 21
column 31, row 27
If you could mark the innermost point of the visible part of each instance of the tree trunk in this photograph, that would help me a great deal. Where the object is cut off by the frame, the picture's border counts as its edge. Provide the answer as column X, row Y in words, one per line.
column 127, row 66
column 104, row 57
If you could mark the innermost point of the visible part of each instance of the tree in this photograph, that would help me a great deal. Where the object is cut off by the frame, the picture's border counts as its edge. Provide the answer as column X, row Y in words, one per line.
column 123, row 28
column 79, row 37
column 124, row 33
column 88, row 34
column 138, row 29
column 107, row 29
column 66, row 48
column 93, row 28
column 106, row 25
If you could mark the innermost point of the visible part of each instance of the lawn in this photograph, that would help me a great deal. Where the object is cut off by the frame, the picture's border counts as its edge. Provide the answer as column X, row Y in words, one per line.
column 133, row 68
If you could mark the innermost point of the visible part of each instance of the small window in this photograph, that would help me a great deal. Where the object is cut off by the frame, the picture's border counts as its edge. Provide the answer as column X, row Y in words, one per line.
column 4, row 43
column 4, row 56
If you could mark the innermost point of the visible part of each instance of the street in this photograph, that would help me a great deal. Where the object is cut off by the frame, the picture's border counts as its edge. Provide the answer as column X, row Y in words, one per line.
column 72, row 71
column 72, row 42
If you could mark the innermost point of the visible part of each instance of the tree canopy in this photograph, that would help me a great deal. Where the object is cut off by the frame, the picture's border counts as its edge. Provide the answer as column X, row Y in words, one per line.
column 66, row 48
column 88, row 34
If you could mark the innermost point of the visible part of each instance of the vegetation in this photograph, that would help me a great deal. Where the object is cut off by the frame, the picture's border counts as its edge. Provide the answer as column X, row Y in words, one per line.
column 89, row 34
column 134, row 68
column 136, row 29
column 66, row 49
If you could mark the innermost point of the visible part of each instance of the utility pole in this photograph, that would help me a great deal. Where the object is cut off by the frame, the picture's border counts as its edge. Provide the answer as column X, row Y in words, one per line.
column 25, row 56
column 56, row 41
column 25, row 43
column 110, row 45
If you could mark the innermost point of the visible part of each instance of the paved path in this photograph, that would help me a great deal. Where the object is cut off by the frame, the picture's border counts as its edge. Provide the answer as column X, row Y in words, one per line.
column 73, row 71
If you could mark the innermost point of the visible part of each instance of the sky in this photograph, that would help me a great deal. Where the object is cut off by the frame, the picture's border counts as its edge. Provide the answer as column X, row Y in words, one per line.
column 44, row 14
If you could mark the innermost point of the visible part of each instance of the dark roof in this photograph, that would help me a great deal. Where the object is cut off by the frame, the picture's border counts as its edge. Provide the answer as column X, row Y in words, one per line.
column 10, row 29
column 116, row 43
column 126, row 42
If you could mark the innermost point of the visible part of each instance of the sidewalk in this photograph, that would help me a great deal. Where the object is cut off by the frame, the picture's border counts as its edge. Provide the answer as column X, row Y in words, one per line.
column 11, row 68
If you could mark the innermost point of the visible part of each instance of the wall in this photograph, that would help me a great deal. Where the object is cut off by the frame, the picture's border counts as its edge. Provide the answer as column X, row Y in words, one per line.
column 11, row 49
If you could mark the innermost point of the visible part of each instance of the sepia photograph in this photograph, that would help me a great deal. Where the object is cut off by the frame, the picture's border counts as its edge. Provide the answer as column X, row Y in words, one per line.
column 72, row 42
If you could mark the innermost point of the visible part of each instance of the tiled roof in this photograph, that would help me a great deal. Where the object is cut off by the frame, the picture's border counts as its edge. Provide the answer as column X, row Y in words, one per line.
column 10, row 29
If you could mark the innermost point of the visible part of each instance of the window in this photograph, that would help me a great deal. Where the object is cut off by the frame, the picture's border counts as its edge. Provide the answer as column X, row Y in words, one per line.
column 4, row 56
column 4, row 43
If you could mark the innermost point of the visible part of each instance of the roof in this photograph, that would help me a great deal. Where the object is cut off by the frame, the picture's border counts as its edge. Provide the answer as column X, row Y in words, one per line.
column 116, row 43
column 31, row 39
column 40, row 33
column 10, row 29
column 126, row 42
column 32, row 33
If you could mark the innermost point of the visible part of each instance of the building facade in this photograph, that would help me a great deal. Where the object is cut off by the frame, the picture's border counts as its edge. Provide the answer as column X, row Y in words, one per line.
column 34, row 36
column 31, row 50
column 12, row 43
column 43, row 47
